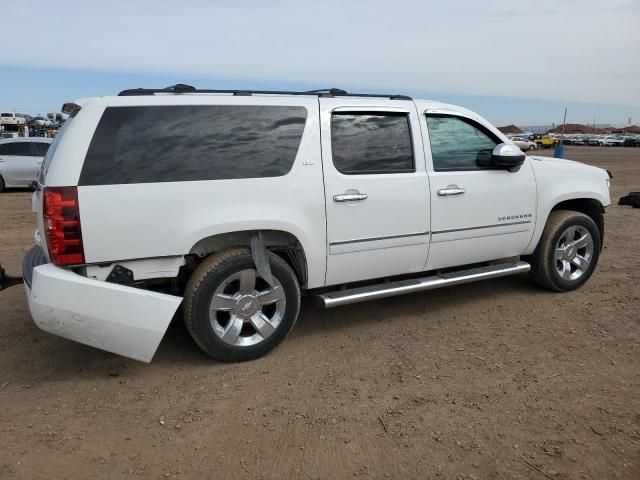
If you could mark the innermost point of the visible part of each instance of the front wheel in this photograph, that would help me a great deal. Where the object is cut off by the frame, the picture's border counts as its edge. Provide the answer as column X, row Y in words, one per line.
column 568, row 251
column 232, row 313
column 531, row 147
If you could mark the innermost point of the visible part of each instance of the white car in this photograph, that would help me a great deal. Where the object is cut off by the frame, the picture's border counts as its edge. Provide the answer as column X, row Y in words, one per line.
column 20, row 160
column 233, row 203
column 611, row 141
column 524, row 144
column 11, row 119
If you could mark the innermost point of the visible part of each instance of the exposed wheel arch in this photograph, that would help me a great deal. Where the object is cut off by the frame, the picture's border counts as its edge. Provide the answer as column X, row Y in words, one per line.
column 590, row 207
column 284, row 244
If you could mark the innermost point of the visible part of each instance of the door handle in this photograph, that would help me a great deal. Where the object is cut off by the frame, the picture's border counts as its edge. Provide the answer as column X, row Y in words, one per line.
column 451, row 190
column 350, row 197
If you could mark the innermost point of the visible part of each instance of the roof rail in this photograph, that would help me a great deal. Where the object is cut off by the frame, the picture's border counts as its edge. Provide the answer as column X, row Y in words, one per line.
column 324, row 92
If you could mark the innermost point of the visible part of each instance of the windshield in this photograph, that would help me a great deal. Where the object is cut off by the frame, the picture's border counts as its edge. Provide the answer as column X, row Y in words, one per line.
column 6, row 114
column 52, row 151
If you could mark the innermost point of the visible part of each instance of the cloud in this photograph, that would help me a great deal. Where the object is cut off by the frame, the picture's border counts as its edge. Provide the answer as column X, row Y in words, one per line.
column 547, row 49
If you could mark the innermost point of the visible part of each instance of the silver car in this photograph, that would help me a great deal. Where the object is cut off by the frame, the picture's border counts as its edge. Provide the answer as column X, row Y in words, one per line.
column 20, row 160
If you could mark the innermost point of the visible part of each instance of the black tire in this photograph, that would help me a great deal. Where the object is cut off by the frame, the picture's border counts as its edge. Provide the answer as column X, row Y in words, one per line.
column 1, row 184
column 531, row 147
column 544, row 267
column 204, row 282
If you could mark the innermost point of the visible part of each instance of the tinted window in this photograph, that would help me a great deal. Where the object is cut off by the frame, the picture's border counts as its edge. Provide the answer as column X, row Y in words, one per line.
column 53, row 146
column 16, row 148
column 40, row 148
column 366, row 143
column 459, row 144
column 186, row 143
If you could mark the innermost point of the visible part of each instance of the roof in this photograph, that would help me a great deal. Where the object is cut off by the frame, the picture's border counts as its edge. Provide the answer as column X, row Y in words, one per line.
column 26, row 139
column 510, row 129
column 323, row 92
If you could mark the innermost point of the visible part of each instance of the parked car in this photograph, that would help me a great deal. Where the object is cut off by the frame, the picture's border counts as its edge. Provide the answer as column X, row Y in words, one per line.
column 632, row 142
column 11, row 119
column 20, row 160
column 40, row 122
column 579, row 141
column 611, row 141
column 343, row 196
column 594, row 141
column 543, row 140
column 523, row 143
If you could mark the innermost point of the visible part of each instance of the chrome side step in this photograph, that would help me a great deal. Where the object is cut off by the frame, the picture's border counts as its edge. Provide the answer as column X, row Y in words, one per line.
column 400, row 287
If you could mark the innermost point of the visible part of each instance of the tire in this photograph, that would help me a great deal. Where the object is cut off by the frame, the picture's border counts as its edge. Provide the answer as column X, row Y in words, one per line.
column 1, row 184
column 558, row 266
column 245, row 323
column 531, row 147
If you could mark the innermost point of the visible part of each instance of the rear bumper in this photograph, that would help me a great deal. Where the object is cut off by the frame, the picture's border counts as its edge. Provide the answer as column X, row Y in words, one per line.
column 123, row 320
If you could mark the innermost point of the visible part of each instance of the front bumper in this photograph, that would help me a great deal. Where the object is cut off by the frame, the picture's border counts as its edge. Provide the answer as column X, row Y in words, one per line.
column 119, row 319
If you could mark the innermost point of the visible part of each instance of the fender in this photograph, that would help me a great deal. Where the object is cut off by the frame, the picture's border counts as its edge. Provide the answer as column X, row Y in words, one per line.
column 561, row 180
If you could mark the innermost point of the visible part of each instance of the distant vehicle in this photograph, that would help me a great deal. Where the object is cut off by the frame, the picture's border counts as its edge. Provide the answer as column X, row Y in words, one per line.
column 524, row 144
column 594, row 141
column 11, row 119
column 20, row 161
column 579, row 141
column 543, row 140
column 632, row 142
column 612, row 142
column 40, row 122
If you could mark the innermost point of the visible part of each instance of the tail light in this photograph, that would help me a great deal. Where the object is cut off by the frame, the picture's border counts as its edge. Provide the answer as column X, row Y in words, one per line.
column 62, row 225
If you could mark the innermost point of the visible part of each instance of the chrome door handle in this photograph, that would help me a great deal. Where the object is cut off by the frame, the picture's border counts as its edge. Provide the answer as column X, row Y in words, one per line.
column 451, row 190
column 350, row 197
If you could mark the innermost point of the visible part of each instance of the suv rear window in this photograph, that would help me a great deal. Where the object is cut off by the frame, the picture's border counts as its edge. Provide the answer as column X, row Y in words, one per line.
column 187, row 143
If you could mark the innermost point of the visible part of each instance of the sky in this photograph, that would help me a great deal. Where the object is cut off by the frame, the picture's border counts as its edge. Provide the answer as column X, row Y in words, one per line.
column 512, row 61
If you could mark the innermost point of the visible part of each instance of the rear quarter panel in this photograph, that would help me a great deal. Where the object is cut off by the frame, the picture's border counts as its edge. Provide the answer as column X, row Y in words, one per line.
column 146, row 220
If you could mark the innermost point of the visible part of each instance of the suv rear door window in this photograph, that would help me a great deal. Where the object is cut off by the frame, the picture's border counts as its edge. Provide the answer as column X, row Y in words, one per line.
column 21, row 149
column 459, row 143
column 188, row 143
column 371, row 143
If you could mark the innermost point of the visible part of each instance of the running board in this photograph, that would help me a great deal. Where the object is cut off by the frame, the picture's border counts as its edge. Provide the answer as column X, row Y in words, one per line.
column 389, row 289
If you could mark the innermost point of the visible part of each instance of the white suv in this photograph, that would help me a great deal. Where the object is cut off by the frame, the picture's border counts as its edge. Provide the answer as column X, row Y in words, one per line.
column 233, row 203
column 11, row 119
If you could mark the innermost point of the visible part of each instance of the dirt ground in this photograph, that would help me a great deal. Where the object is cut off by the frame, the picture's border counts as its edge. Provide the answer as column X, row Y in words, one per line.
column 491, row 380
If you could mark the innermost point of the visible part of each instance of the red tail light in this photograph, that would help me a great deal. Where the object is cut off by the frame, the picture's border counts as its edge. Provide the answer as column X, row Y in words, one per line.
column 62, row 225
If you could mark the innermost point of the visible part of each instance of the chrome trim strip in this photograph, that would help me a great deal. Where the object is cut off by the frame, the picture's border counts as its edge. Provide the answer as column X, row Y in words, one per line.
column 373, row 239
column 343, row 297
column 480, row 227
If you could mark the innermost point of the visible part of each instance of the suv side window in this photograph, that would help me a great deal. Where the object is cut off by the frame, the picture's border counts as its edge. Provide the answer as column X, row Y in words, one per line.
column 371, row 143
column 40, row 149
column 181, row 143
column 458, row 143
column 21, row 149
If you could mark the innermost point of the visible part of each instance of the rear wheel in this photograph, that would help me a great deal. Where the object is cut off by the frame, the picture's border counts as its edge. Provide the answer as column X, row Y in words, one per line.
column 1, row 184
column 568, row 251
column 234, row 314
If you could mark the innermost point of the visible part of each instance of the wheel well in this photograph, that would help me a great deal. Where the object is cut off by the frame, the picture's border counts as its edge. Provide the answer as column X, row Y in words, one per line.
column 281, row 243
column 590, row 207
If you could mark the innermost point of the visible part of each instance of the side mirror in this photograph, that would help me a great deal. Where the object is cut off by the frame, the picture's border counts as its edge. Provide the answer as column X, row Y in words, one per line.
column 506, row 155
